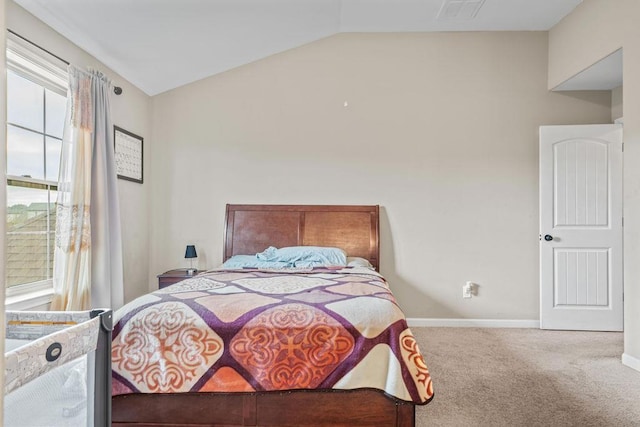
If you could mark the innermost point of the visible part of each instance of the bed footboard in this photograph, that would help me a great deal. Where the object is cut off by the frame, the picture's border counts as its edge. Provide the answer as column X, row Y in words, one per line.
column 295, row 408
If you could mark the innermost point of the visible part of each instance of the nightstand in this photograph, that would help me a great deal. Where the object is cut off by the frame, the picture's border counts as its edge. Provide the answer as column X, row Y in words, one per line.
column 174, row 276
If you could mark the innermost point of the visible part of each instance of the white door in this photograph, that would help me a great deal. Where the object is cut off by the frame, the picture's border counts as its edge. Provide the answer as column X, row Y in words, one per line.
column 581, row 227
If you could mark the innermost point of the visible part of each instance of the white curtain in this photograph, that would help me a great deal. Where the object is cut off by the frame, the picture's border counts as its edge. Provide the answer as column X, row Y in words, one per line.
column 87, row 270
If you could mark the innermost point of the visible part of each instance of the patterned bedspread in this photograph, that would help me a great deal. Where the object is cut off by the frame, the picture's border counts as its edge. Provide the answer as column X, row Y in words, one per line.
column 250, row 330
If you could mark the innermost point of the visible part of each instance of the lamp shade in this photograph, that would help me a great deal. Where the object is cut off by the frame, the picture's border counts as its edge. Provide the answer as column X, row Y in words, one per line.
column 191, row 252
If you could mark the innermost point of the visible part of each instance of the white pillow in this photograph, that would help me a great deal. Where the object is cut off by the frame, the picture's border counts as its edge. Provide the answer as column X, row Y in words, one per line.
column 354, row 261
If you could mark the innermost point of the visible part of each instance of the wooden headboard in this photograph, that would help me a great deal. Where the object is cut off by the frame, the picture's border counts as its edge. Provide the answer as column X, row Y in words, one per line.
column 252, row 228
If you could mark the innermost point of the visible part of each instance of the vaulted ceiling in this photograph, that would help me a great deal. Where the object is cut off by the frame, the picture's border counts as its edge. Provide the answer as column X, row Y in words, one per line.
column 161, row 44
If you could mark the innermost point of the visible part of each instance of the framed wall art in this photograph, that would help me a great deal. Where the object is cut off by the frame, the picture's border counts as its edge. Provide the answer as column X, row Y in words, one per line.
column 128, row 154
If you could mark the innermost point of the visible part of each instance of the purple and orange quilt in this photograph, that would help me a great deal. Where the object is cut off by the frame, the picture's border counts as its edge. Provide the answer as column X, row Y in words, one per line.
column 257, row 330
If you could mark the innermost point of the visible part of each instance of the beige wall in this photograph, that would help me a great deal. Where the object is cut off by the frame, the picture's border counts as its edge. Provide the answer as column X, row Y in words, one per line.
column 616, row 103
column 440, row 130
column 595, row 29
column 131, row 111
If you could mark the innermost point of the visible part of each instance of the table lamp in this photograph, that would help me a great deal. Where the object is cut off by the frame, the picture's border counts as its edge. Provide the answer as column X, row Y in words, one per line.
column 191, row 254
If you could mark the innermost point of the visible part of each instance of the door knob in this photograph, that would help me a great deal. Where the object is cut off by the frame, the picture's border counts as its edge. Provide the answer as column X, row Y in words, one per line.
column 548, row 237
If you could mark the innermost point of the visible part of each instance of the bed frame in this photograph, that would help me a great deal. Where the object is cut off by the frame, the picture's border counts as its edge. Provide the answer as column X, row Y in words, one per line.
column 250, row 229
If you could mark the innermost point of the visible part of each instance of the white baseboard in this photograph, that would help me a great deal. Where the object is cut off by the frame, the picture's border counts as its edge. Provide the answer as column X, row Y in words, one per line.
column 473, row 323
column 631, row 361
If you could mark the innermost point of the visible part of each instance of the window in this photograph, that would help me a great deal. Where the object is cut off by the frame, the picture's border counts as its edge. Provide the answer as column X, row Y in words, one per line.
column 36, row 107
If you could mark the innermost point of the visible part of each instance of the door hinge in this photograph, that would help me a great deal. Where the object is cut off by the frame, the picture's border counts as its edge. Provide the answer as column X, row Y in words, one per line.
column 623, row 147
column 623, row 221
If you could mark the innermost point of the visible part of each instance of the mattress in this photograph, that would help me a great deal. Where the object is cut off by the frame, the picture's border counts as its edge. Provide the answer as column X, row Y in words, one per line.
column 260, row 330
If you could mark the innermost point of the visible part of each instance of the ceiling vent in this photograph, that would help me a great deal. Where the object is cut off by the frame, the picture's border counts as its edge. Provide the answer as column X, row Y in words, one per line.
column 459, row 10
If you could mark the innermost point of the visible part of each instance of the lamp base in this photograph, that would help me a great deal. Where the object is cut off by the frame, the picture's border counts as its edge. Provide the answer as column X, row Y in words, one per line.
column 191, row 271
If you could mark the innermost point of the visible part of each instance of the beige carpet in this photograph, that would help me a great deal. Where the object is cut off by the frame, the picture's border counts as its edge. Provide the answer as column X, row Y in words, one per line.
column 527, row 377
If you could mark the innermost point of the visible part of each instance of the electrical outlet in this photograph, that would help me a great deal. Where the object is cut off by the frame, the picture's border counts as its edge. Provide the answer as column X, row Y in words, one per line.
column 467, row 290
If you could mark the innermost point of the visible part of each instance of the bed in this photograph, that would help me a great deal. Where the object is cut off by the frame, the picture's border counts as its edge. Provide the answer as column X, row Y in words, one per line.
column 234, row 378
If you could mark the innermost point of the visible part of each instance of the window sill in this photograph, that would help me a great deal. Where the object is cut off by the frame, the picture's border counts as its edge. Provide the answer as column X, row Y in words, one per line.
column 29, row 300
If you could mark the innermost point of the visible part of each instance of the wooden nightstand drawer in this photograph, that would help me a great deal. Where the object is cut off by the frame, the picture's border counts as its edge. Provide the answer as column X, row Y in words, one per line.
column 174, row 276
